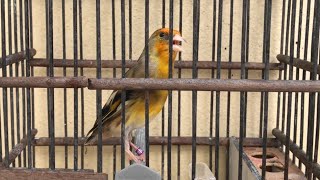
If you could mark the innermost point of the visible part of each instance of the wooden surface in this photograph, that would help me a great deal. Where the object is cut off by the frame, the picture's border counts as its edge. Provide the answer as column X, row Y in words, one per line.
column 40, row 174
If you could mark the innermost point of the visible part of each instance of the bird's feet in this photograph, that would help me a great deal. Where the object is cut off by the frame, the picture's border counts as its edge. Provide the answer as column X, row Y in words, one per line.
column 135, row 158
column 140, row 157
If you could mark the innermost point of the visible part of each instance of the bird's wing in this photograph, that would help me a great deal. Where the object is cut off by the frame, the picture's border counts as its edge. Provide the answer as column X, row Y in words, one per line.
column 112, row 108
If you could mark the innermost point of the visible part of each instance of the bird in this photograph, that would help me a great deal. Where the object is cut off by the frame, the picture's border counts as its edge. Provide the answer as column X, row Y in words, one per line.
column 158, row 51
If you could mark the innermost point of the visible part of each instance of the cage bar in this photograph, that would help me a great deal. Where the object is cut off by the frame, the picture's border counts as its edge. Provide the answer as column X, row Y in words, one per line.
column 75, row 90
column 123, row 93
column 98, row 92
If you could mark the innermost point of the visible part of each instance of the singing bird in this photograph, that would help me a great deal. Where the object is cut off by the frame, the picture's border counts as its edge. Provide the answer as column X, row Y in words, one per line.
column 135, row 99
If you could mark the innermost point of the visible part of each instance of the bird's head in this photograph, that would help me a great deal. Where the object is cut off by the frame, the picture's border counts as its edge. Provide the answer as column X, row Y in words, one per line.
column 159, row 43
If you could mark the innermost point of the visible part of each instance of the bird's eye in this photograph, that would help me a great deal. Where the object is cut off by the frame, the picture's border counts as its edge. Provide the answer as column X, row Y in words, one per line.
column 161, row 34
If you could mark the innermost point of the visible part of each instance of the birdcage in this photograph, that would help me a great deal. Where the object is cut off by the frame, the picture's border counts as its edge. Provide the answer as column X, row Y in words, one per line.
column 243, row 98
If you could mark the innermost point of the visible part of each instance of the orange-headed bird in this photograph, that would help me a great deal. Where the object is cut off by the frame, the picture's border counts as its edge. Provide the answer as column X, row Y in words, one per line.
column 135, row 99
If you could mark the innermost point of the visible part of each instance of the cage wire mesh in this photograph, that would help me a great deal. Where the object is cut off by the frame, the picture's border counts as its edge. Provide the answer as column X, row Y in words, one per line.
column 249, row 70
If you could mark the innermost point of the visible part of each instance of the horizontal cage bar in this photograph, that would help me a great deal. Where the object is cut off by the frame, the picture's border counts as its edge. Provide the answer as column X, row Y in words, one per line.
column 40, row 62
column 159, row 140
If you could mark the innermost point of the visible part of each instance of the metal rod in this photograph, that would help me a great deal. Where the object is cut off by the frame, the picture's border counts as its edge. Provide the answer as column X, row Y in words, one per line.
column 82, row 110
column 183, row 64
column 229, row 77
column 196, row 24
column 169, row 146
column 4, row 90
column 27, row 42
column 10, row 75
column 246, row 72
column 113, row 37
column 288, row 128
column 159, row 140
column 17, row 57
column 163, row 13
column 296, row 100
column 23, row 75
column 299, row 153
column 98, row 92
column 32, row 90
column 114, row 70
column 15, row 22
column 266, row 60
column 242, row 93
column 219, row 44
column 75, row 90
column 313, row 77
column 206, row 85
column 65, row 95
column 179, row 97
column 299, row 63
column 146, row 71
column 123, row 93
column 130, row 29
column 213, row 56
column 44, row 82
column 163, row 84
column 305, row 55
column 18, row 148
column 51, row 90
column 280, row 72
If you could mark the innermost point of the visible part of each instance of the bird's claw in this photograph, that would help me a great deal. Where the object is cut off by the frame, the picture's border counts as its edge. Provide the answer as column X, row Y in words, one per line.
column 140, row 158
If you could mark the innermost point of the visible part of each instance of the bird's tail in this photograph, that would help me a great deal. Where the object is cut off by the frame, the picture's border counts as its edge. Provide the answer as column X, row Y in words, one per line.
column 91, row 138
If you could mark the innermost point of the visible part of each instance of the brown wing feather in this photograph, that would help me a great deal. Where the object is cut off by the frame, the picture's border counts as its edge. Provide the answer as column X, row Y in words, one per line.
column 112, row 108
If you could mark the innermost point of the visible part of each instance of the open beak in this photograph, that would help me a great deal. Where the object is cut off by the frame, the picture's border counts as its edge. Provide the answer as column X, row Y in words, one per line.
column 177, row 39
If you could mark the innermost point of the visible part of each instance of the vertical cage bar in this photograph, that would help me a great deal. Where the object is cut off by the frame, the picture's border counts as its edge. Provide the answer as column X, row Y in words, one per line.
column 82, row 110
column 113, row 36
column 284, row 94
column 114, row 76
column 4, row 74
column 65, row 95
column 98, row 92
column 163, row 110
column 217, row 131
column 32, row 74
column 179, row 96
column 317, row 135
column 130, row 29
column 75, row 90
column 123, row 93
column 242, row 94
column 296, row 96
column 280, row 71
column 262, row 95
column 169, row 147
column 196, row 19
column 10, row 75
column 213, row 55
column 312, row 95
column 24, row 119
column 146, row 37
column 162, row 146
column 51, row 90
column 266, row 59
column 288, row 128
column 229, row 77
column 305, row 56
column 245, row 69
column 26, row 8
column 15, row 27
column 163, row 13
column 47, row 73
